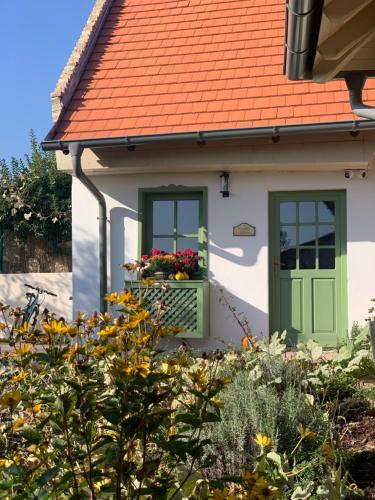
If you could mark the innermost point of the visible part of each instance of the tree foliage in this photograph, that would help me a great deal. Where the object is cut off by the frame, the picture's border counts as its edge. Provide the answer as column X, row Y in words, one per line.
column 34, row 196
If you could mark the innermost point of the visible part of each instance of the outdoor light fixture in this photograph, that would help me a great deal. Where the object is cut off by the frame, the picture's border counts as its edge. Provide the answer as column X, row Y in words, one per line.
column 224, row 178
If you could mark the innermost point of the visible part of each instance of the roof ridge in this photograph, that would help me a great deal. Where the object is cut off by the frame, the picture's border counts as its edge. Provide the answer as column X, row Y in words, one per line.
column 73, row 69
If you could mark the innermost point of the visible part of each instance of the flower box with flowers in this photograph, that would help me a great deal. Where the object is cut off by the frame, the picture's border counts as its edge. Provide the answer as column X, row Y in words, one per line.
column 180, row 265
column 181, row 295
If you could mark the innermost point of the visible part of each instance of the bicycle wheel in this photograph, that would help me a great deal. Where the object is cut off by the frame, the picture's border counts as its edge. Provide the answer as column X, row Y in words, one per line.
column 33, row 318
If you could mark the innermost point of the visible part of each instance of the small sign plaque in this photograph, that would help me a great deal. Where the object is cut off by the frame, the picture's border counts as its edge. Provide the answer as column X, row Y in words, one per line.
column 244, row 229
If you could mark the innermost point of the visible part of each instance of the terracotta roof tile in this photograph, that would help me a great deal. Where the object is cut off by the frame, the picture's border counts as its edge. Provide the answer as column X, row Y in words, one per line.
column 185, row 65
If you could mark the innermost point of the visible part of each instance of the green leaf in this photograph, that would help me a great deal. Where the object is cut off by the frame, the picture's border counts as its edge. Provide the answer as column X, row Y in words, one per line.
column 31, row 435
column 48, row 475
column 66, row 403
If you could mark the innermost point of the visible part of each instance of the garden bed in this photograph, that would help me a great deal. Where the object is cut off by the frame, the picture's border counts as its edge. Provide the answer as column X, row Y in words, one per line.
column 359, row 441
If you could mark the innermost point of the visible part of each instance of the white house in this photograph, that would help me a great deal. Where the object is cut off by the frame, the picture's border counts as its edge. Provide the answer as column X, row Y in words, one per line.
column 157, row 101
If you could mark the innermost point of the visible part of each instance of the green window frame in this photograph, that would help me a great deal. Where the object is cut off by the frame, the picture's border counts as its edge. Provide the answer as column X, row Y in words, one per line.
column 173, row 194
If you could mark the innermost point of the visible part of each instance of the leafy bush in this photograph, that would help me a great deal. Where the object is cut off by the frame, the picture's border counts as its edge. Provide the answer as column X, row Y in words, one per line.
column 35, row 198
column 100, row 412
column 266, row 395
column 96, row 409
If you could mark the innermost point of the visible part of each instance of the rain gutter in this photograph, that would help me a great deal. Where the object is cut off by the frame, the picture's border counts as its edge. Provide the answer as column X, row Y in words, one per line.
column 302, row 27
column 210, row 135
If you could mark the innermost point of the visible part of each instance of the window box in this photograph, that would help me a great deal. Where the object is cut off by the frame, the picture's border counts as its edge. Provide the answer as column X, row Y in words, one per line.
column 188, row 303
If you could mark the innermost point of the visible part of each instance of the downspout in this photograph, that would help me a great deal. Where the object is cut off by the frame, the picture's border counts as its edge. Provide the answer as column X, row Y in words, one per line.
column 76, row 150
column 355, row 83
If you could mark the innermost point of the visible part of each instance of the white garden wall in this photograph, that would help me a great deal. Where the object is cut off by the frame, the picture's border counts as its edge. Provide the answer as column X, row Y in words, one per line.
column 12, row 290
column 237, row 264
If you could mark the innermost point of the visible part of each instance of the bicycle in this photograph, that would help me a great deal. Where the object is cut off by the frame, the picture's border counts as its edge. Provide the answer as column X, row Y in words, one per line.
column 30, row 313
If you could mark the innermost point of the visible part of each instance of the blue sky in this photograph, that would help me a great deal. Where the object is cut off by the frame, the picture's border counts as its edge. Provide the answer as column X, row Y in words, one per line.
column 36, row 39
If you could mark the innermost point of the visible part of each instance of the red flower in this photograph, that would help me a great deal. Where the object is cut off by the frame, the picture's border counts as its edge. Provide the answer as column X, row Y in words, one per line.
column 188, row 252
column 155, row 252
column 178, row 267
column 186, row 260
column 144, row 257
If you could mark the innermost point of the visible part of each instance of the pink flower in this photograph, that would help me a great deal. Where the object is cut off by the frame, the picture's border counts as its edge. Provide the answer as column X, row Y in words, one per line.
column 188, row 252
column 155, row 252
column 144, row 257
column 186, row 260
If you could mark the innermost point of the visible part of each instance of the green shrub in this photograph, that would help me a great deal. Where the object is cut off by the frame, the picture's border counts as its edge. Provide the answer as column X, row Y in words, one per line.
column 267, row 396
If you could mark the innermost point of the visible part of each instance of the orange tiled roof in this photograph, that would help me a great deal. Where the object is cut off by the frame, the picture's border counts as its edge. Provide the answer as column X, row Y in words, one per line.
column 162, row 66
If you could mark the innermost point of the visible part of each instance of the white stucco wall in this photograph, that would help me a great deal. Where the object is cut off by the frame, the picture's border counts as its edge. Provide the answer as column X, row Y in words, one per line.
column 12, row 290
column 239, row 265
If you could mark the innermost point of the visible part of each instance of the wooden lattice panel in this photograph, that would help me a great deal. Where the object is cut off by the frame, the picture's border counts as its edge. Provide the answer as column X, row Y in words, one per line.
column 186, row 305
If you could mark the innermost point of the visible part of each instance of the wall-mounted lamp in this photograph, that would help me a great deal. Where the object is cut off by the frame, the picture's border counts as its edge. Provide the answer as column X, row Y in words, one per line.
column 224, row 178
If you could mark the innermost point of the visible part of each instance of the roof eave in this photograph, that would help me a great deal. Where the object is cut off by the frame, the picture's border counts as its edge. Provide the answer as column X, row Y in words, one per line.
column 200, row 136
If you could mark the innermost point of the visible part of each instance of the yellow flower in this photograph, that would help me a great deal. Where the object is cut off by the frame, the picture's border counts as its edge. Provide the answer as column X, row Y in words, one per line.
column 3, row 326
column 305, row 432
column 55, row 327
column 216, row 401
column 224, row 494
column 108, row 331
column 100, row 350
column 71, row 352
column 198, row 377
column 35, row 409
column 4, row 462
column 142, row 368
column 123, row 298
column 21, row 351
column 24, row 329
column 21, row 376
column 148, row 281
column 20, row 422
column 10, row 398
column 136, row 320
column 263, row 441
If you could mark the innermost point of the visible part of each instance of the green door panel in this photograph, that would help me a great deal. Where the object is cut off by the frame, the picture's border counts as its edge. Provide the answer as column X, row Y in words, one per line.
column 324, row 306
column 308, row 266
column 291, row 292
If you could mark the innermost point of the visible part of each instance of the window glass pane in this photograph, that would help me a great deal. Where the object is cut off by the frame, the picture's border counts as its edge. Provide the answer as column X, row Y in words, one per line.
column 165, row 244
column 326, row 235
column 288, row 259
column 307, row 235
column 326, row 211
column 307, row 258
column 287, row 236
column 187, row 216
column 163, row 217
column 307, row 211
column 326, row 258
column 288, row 211
column 185, row 243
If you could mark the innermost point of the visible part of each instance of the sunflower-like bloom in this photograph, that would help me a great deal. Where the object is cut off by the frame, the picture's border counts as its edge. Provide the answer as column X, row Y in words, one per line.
column 10, row 398
column 263, row 441
column 305, row 432
column 55, row 327
column 20, row 422
column 21, row 376
column 21, row 351
column 108, row 332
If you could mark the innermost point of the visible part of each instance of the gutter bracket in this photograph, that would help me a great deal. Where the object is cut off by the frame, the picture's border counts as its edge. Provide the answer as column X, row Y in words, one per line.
column 355, row 83
column 76, row 150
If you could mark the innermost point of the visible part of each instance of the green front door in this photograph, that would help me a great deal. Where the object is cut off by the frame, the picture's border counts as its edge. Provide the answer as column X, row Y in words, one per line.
column 308, row 266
